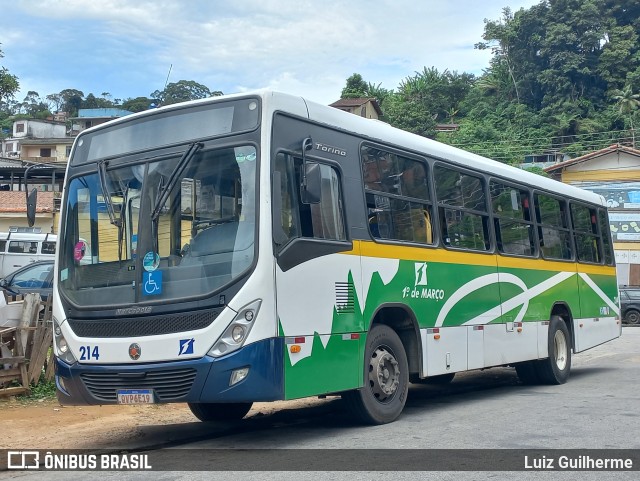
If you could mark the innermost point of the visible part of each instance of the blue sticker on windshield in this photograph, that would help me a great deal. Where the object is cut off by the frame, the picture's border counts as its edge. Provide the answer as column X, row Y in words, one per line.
column 152, row 283
column 151, row 261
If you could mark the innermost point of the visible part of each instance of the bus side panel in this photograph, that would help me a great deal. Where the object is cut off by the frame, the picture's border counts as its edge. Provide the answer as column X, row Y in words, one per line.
column 502, row 346
column 446, row 351
column 599, row 319
column 321, row 320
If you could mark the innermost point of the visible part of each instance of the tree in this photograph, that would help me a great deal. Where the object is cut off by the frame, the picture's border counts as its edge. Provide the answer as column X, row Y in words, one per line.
column 183, row 91
column 33, row 106
column 9, row 85
column 498, row 37
column 71, row 101
column 55, row 101
column 356, row 88
column 628, row 103
column 138, row 104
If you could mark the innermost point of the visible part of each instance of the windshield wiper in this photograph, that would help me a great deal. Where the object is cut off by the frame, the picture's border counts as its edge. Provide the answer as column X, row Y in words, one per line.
column 106, row 195
column 165, row 188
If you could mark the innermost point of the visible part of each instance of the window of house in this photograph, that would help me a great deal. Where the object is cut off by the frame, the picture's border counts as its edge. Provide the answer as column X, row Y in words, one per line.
column 512, row 219
column 45, row 152
column 19, row 128
column 585, row 232
column 324, row 220
column 462, row 209
column 553, row 228
column 399, row 204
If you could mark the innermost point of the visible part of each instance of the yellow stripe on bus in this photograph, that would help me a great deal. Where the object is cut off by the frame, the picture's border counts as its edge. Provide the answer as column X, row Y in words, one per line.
column 432, row 254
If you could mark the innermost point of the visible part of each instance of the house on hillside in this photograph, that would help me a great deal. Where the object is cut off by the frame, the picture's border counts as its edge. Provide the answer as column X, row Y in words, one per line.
column 364, row 107
column 614, row 173
column 91, row 117
column 28, row 130
column 46, row 150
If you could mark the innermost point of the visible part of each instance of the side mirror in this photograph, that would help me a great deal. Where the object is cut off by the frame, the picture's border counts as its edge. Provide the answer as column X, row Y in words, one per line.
column 311, row 192
column 31, row 206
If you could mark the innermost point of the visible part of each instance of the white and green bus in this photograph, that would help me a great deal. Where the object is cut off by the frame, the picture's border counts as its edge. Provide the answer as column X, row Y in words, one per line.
column 261, row 247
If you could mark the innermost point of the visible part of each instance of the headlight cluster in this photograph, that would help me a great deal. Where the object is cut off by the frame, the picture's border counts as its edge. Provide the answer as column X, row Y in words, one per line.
column 237, row 332
column 61, row 346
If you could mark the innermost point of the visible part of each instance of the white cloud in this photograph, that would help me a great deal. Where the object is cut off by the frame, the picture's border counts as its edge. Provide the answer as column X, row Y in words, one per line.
column 307, row 46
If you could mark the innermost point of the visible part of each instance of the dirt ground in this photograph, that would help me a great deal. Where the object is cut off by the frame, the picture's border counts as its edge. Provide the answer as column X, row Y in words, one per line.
column 48, row 425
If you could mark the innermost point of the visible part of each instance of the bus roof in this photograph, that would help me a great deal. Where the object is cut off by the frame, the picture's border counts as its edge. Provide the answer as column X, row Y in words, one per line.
column 382, row 132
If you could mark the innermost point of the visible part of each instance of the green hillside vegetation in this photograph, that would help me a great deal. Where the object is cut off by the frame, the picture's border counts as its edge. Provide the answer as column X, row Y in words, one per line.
column 564, row 77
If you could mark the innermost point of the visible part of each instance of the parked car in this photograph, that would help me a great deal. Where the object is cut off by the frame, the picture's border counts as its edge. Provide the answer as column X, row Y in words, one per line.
column 19, row 249
column 34, row 277
column 630, row 304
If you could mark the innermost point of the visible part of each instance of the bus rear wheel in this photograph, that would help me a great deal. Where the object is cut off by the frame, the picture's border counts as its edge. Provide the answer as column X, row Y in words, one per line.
column 557, row 367
column 386, row 379
column 211, row 412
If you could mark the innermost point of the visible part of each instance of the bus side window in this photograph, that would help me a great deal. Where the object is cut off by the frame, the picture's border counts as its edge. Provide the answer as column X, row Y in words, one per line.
column 397, row 194
column 324, row 220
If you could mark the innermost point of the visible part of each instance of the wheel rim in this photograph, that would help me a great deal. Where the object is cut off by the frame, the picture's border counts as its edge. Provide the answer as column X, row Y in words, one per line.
column 561, row 350
column 384, row 374
column 633, row 317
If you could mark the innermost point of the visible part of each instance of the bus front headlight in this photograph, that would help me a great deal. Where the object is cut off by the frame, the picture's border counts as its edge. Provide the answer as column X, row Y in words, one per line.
column 61, row 346
column 236, row 334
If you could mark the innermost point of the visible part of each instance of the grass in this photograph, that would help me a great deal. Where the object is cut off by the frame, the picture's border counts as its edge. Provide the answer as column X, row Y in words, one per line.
column 44, row 390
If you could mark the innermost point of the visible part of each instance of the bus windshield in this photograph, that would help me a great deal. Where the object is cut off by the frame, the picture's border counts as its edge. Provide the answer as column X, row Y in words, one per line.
column 173, row 227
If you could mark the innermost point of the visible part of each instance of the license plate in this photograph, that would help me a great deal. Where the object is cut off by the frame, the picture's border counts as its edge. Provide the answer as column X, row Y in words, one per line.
column 135, row 396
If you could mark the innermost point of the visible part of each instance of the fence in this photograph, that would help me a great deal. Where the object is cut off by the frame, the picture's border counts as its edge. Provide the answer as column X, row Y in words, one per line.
column 26, row 350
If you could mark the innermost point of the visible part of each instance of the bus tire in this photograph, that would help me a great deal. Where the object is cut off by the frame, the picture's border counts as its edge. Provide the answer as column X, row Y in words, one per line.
column 439, row 380
column 528, row 372
column 212, row 412
column 386, row 379
column 557, row 367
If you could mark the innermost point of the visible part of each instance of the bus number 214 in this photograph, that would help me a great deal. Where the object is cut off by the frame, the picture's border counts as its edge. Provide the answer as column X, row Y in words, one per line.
column 87, row 353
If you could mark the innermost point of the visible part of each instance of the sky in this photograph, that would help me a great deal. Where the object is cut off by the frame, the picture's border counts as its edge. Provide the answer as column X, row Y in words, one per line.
column 130, row 48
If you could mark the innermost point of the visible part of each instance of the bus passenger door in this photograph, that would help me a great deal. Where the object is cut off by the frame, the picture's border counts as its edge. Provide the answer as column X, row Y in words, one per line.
column 316, row 295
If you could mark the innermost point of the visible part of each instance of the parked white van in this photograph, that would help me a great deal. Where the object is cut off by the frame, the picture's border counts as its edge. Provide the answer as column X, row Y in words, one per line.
column 18, row 249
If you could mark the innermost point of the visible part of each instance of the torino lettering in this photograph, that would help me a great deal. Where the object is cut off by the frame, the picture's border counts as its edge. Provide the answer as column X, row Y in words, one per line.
column 331, row 150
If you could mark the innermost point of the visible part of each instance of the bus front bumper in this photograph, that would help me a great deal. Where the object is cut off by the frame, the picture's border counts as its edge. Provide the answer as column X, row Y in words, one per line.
column 204, row 380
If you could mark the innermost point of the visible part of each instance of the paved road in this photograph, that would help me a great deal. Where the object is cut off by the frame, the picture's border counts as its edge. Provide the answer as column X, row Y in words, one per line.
column 597, row 409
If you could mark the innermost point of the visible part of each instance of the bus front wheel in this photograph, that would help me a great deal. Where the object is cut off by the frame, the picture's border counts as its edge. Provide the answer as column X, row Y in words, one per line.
column 556, row 368
column 211, row 412
column 386, row 379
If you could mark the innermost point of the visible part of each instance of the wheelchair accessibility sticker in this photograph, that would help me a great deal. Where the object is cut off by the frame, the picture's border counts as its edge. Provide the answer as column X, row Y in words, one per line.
column 152, row 283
